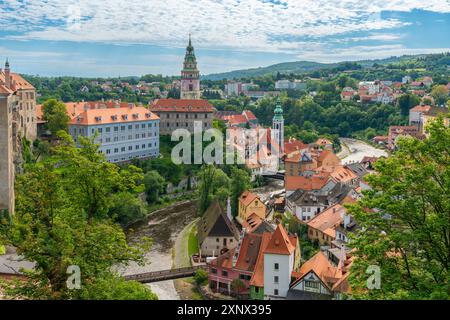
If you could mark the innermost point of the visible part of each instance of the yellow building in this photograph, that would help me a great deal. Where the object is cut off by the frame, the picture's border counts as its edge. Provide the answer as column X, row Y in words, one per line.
column 250, row 204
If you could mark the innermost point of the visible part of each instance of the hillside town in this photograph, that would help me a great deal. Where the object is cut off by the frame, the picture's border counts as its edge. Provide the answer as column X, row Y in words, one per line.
column 286, row 235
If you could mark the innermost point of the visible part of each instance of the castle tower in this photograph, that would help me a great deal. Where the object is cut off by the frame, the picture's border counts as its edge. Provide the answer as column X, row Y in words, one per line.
column 190, row 76
column 278, row 126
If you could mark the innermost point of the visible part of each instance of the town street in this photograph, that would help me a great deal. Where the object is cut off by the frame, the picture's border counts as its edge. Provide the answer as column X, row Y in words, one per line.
column 354, row 150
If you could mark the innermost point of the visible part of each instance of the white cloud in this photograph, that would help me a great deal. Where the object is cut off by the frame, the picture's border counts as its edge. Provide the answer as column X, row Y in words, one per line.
column 242, row 25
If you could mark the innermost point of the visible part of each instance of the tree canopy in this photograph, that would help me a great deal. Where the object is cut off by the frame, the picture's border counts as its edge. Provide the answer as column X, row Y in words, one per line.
column 405, row 221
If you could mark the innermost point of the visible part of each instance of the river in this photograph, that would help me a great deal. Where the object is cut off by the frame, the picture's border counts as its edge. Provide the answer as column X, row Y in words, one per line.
column 354, row 150
column 162, row 226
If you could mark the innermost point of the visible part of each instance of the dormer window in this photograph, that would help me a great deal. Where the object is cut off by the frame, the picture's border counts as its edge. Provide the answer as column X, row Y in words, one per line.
column 98, row 118
column 125, row 117
column 114, row 117
column 135, row 115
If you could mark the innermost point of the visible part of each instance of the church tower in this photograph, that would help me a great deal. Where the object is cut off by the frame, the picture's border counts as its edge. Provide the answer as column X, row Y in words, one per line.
column 278, row 126
column 190, row 76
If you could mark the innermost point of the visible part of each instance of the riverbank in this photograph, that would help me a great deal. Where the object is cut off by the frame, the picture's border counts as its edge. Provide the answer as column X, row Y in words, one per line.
column 163, row 226
column 354, row 150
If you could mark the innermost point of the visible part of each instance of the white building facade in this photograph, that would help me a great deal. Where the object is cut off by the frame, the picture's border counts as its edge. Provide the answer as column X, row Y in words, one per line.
column 123, row 133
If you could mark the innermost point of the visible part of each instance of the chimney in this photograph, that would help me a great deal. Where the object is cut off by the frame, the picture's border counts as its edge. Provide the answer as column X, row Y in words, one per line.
column 230, row 217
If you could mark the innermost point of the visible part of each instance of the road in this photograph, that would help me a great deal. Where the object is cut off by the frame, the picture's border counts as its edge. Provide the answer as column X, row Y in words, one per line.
column 354, row 150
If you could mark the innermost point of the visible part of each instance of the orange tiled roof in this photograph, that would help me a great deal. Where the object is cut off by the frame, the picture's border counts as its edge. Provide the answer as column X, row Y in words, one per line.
column 247, row 197
column 343, row 174
column 181, row 105
column 314, row 182
column 280, row 243
column 113, row 115
column 322, row 267
column 257, row 279
column 329, row 218
column 4, row 89
column 17, row 82
column 293, row 145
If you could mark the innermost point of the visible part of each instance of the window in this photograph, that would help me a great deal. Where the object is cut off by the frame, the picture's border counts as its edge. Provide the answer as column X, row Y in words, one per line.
column 213, row 270
column 143, row 126
column 122, row 128
column 275, row 279
column 108, row 151
column 116, row 129
column 256, row 289
column 275, row 292
column 276, row 266
column 311, row 284
column 108, row 129
column 123, row 149
column 224, row 273
column 217, row 239
column 130, row 148
column 116, row 150
column 130, row 127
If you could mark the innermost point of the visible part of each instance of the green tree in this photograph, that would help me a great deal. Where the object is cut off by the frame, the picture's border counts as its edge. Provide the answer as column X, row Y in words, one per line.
column 440, row 94
column 240, row 181
column 406, row 102
column 237, row 285
column 154, row 186
column 407, row 236
column 61, row 220
column 213, row 184
column 201, row 277
column 55, row 113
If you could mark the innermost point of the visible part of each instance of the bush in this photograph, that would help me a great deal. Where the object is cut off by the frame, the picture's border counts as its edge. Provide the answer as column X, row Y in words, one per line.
column 201, row 277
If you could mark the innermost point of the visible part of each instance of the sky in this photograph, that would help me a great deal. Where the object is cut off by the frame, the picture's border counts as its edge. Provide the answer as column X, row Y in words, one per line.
column 101, row 38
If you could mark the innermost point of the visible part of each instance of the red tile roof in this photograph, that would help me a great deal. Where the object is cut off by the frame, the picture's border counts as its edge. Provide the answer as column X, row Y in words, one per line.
column 247, row 197
column 328, row 219
column 113, row 115
column 257, row 279
column 280, row 243
column 314, row 182
column 181, row 105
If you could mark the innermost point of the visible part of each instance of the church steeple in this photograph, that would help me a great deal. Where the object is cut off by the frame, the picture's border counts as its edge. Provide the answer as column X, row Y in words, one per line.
column 278, row 126
column 190, row 76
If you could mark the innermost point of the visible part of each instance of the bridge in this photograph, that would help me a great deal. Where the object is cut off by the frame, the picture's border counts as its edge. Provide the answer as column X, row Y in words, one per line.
column 277, row 176
column 162, row 275
column 274, row 175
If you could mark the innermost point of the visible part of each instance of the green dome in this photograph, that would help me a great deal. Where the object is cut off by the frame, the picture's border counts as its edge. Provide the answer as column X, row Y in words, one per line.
column 278, row 112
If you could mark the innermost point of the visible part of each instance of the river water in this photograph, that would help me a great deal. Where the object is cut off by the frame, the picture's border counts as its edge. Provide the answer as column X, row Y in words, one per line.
column 162, row 226
column 354, row 150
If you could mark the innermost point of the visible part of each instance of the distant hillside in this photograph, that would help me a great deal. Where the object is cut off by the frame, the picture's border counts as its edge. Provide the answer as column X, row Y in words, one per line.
column 286, row 67
column 306, row 66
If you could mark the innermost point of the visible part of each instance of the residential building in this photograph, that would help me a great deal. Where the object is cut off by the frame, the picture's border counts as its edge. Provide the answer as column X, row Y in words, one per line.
column 314, row 182
column 243, row 120
column 396, row 131
column 190, row 75
column 290, row 85
column 124, row 133
column 421, row 115
column 347, row 94
column 250, row 204
column 263, row 261
column 216, row 232
column 321, row 279
column 183, row 114
column 233, row 88
column 322, row 228
column 306, row 204
column 279, row 262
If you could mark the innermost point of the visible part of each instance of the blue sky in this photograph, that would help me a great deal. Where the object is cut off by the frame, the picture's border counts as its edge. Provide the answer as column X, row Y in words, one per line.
column 135, row 37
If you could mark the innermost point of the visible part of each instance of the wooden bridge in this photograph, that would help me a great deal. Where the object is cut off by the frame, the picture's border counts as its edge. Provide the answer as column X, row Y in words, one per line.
column 162, row 275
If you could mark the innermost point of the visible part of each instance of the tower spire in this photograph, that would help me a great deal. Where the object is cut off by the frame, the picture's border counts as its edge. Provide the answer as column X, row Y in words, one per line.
column 7, row 63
